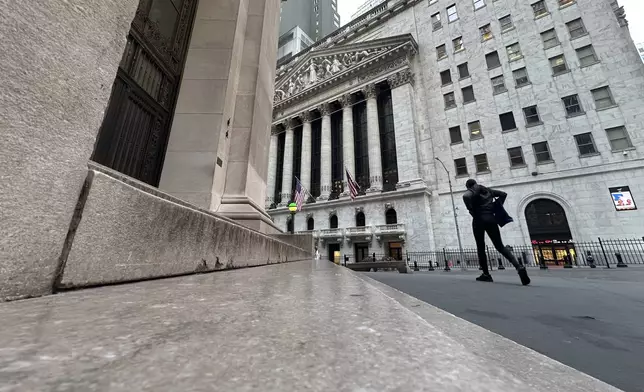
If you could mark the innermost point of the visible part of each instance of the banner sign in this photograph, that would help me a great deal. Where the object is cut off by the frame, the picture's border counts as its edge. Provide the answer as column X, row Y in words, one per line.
column 622, row 198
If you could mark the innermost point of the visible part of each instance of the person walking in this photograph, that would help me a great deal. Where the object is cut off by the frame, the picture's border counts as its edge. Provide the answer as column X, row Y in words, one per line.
column 480, row 202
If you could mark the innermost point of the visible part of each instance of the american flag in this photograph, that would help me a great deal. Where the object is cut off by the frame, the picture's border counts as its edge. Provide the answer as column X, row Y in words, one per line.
column 300, row 194
column 353, row 186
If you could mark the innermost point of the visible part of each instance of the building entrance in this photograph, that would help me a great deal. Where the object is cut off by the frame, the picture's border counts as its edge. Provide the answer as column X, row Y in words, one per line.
column 134, row 134
column 362, row 252
column 549, row 232
column 334, row 252
column 395, row 250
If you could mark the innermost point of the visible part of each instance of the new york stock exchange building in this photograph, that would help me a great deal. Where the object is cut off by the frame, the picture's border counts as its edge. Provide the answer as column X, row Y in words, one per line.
column 544, row 101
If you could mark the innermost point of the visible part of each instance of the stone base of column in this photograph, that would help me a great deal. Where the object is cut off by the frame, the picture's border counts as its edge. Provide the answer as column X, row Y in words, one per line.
column 245, row 211
column 323, row 198
column 374, row 189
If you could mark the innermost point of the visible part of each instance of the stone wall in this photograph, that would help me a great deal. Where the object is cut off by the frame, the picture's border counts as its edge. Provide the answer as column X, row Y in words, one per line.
column 128, row 231
column 58, row 63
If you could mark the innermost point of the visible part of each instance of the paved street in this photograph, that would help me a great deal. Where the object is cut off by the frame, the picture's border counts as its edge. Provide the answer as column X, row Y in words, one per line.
column 592, row 320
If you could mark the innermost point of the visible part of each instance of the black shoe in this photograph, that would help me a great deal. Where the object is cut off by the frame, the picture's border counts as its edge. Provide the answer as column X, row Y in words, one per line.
column 523, row 274
column 485, row 278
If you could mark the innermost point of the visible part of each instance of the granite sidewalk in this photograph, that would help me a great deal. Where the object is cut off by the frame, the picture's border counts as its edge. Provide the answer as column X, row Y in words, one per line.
column 305, row 326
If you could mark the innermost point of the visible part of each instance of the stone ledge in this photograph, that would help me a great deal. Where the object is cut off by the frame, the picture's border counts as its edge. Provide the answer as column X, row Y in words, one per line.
column 127, row 232
column 307, row 326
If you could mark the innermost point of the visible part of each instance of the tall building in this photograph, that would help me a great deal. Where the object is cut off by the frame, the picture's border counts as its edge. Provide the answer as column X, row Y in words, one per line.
column 366, row 6
column 305, row 20
column 542, row 99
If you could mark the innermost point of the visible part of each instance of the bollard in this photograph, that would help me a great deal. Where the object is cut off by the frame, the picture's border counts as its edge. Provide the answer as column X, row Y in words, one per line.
column 542, row 263
column 567, row 261
column 620, row 261
column 501, row 267
column 431, row 266
column 346, row 258
column 416, row 266
column 446, row 261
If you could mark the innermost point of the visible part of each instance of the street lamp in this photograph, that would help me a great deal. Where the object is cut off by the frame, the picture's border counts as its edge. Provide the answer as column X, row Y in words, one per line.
column 458, row 231
column 293, row 209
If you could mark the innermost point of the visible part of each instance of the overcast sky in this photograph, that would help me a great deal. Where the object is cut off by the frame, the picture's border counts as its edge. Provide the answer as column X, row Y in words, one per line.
column 634, row 14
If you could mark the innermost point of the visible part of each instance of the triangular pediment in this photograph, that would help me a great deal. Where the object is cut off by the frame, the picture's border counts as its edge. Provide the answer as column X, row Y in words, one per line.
column 325, row 67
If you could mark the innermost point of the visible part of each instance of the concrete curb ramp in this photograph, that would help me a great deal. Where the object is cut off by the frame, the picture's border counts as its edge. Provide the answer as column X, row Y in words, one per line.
column 305, row 326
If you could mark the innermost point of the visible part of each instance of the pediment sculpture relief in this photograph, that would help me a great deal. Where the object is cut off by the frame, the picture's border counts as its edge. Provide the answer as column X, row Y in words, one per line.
column 322, row 68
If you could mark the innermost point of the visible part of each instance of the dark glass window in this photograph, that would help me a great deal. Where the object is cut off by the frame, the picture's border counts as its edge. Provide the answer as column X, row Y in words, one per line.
column 507, row 121
column 281, row 139
column 310, row 224
column 390, row 217
column 492, row 60
column 361, row 146
column 387, row 141
column 360, row 219
column 337, row 166
column 297, row 155
column 333, row 222
column 316, row 150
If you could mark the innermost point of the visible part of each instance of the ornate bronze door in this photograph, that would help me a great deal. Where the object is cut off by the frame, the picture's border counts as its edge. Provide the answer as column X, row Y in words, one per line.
column 137, row 122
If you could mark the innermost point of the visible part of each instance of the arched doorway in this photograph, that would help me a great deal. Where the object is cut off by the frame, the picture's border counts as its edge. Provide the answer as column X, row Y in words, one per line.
column 391, row 217
column 549, row 231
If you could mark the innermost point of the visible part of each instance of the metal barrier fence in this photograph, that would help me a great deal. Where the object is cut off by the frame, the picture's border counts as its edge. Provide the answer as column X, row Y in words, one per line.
column 607, row 253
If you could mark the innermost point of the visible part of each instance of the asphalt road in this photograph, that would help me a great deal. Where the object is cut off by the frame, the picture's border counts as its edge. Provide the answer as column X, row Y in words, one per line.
column 591, row 320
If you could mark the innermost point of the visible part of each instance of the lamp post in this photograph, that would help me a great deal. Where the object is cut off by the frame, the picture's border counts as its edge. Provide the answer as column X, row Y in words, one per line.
column 292, row 207
column 458, row 231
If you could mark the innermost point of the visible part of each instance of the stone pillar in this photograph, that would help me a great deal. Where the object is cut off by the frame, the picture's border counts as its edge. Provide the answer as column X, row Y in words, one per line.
column 244, row 191
column 306, row 150
column 373, row 136
column 52, row 104
column 402, row 97
column 348, row 152
column 272, row 169
column 287, row 171
column 325, row 156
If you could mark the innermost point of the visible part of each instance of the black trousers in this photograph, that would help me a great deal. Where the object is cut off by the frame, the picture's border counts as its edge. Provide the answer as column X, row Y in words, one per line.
column 487, row 224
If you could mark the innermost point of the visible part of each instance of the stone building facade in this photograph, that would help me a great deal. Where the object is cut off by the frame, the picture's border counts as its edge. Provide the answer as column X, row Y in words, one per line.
column 544, row 100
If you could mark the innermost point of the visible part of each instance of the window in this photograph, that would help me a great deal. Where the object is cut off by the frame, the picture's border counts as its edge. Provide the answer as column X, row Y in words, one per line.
column 333, row 222
column 441, row 52
column 549, row 39
column 531, row 115
column 542, row 152
column 539, row 8
column 507, row 121
column 436, row 21
column 587, row 56
column 391, row 218
column 585, row 144
column 468, row 94
column 475, row 130
column 479, row 4
column 450, row 102
column 492, row 60
column 516, row 157
column 310, row 224
column 486, row 32
column 463, row 71
column 481, row 163
column 572, row 105
column 451, row 13
column 506, row 23
column 360, row 219
column 461, row 166
column 558, row 65
column 455, row 135
column 458, row 44
column 619, row 139
column 514, row 52
column 498, row 85
column 521, row 77
column 446, row 77
column 603, row 98
column 565, row 2
column 576, row 28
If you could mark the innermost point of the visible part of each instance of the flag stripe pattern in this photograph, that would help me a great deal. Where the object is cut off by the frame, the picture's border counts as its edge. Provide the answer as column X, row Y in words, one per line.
column 353, row 186
column 300, row 195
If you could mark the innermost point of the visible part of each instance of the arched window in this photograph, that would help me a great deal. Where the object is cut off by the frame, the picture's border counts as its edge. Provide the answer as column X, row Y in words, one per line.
column 390, row 217
column 547, row 220
column 310, row 224
column 333, row 222
column 289, row 226
column 360, row 220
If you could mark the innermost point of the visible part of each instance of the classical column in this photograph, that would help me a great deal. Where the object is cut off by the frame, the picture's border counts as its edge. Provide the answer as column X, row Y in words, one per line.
column 348, row 153
column 272, row 168
column 402, row 99
column 325, row 156
column 373, row 136
column 305, row 167
column 287, row 171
